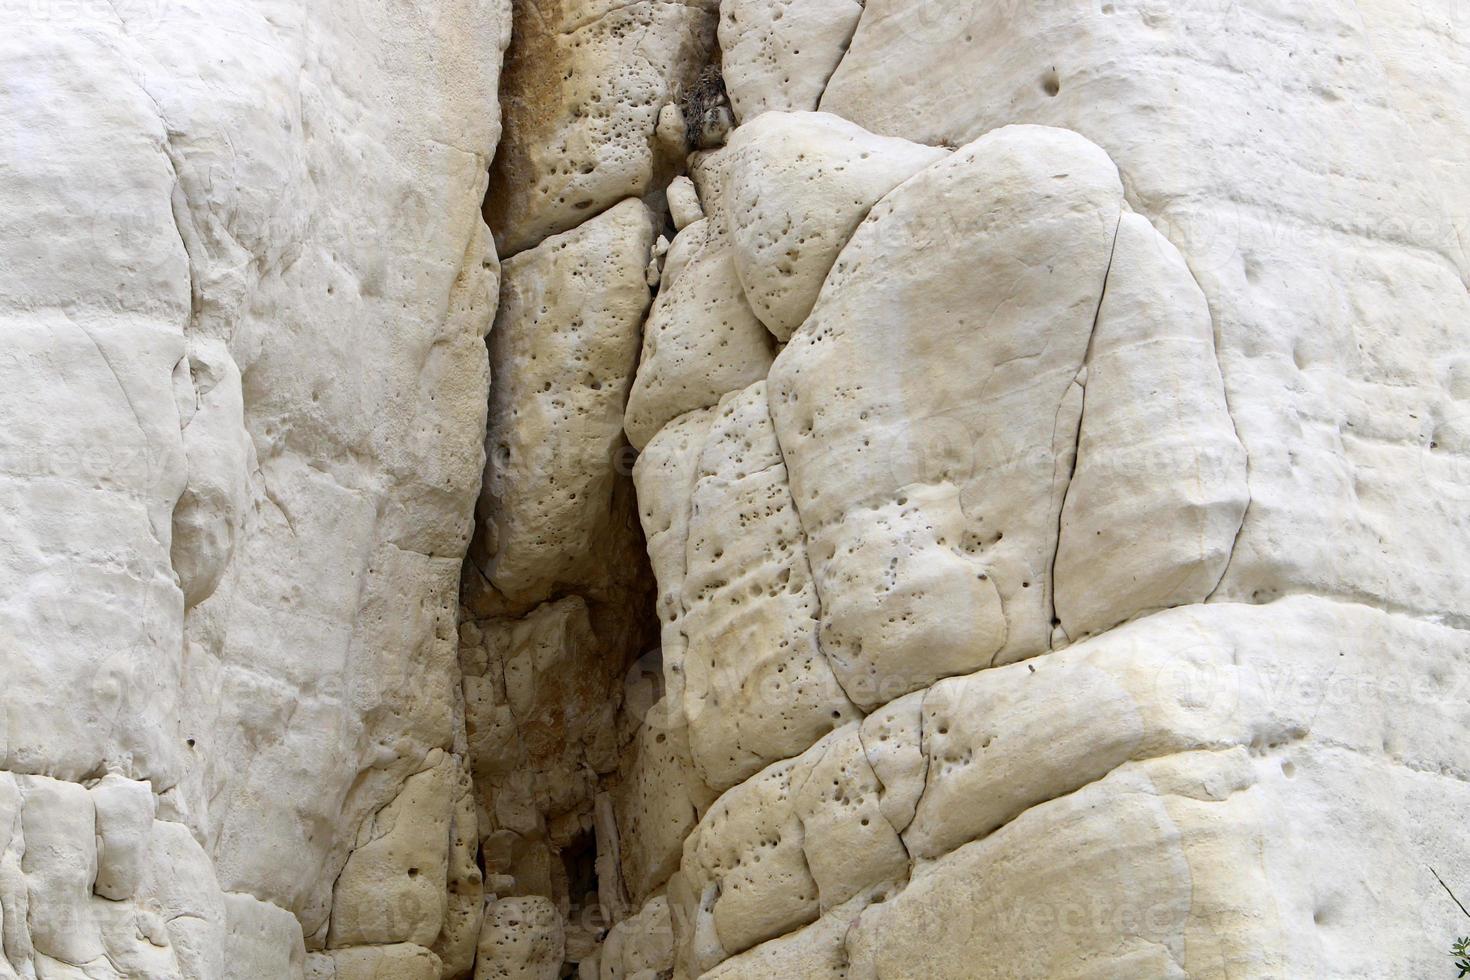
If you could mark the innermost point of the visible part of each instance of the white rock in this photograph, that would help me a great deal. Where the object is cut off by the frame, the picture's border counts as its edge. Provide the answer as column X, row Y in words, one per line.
column 778, row 54
column 684, row 205
column 563, row 353
column 401, row 961
column 744, row 878
column 60, row 866
column 1336, row 289
column 927, row 409
column 701, row 341
column 641, row 947
column 799, row 186
column 251, row 343
column 392, row 889
column 848, row 843
column 1159, row 488
column 124, row 812
column 757, row 687
column 261, row 941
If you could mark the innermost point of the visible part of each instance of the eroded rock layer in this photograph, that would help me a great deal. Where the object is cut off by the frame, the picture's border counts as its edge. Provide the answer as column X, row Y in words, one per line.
column 936, row 489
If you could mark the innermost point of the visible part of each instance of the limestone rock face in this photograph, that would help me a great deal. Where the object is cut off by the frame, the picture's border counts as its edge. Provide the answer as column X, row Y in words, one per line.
column 564, row 350
column 1156, row 448
column 757, row 687
column 702, row 340
column 586, row 81
column 945, row 489
column 934, row 534
column 523, row 940
column 799, row 186
column 244, row 293
column 778, row 54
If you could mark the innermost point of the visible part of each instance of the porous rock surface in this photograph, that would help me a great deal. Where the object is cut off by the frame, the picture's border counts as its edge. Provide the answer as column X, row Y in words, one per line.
column 996, row 512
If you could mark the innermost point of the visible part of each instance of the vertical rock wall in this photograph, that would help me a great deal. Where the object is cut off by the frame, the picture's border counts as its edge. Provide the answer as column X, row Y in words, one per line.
column 1048, row 464
column 244, row 283
column 953, row 490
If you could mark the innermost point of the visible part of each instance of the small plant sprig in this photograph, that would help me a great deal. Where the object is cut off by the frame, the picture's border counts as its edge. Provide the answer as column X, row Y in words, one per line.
column 1461, row 950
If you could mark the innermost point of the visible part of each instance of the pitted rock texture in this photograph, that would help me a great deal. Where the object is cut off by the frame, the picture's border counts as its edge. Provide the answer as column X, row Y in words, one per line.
column 702, row 340
column 778, row 54
column 799, row 186
column 243, row 382
column 585, row 80
column 951, row 489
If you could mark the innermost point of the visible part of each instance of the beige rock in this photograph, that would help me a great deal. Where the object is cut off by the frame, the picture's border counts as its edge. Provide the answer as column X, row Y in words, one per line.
column 399, row 961
column 1233, row 713
column 998, row 910
column 701, row 341
column 640, row 947
column 658, row 801
column 261, row 940
column 684, row 206
column 539, row 703
column 660, row 796
column 1336, row 289
column 744, row 878
column 927, row 411
column 778, row 54
column 757, row 685
column 672, row 132
column 1212, row 497
column 848, row 843
column 563, row 353
column 591, row 79
column 393, row 887
column 664, row 475
column 892, row 739
column 522, row 940
column 1157, row 449
column 815, row 952
column 799, row 186
column 465, row 906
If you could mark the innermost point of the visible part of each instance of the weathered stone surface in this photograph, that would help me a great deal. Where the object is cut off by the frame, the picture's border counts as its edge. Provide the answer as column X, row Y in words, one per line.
column 1224, row 705
column 702, row 341
column 124, row 812
column 392, row 887
column 1157, row 449
column 757, row 687
column 522, row 940
column 684, row 206
column 400, row 961
column 660, row 794
column 778, row 54
column 816, row 952
column 539, row 715
column 799, row 186
column 1057, row 538
column 640, row 947
column 562, row 354
column 587, row 80
column 243, row 388
column 927, row 409
column 1336, row 285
